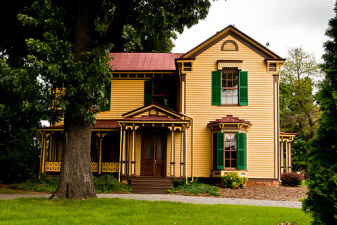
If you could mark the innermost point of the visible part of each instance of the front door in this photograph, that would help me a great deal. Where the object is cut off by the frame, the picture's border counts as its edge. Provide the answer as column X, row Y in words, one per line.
column 154, row 152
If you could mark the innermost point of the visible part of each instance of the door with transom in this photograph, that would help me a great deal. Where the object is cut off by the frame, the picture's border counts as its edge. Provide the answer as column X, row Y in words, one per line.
column 154, row 152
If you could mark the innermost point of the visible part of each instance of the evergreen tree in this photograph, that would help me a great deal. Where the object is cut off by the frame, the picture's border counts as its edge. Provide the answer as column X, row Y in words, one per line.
column 322, row 196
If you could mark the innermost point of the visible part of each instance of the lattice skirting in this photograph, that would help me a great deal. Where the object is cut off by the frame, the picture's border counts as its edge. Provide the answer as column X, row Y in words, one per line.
column 107, row 167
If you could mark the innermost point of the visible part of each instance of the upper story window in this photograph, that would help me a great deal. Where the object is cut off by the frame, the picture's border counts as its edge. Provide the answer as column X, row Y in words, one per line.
column 229, row 87
column 161, row 91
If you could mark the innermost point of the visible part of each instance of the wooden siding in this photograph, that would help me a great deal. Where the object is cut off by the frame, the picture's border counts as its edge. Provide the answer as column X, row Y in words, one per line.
column 260, row 110
column 126, row 95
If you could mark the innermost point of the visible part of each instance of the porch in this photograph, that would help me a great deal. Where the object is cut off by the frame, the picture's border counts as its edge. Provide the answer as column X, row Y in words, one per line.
column 149, row 141
column 285, row 151
column 104, row 148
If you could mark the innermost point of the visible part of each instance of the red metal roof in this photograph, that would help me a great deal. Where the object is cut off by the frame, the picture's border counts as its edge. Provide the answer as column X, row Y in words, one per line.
column 143, row 61
column 230, row 119
column 100, row 124
column 152, row 118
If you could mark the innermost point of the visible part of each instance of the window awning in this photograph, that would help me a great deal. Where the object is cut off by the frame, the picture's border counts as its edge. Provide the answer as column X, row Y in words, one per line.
column 230, row 123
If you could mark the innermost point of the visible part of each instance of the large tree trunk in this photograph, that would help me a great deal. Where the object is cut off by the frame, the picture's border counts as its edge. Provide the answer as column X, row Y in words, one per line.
column 76, row 179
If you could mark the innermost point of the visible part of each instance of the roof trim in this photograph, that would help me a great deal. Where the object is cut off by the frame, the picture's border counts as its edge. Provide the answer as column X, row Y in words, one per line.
column 237, row 34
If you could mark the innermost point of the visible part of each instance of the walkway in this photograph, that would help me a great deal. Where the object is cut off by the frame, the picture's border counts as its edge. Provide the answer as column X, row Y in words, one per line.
column 179, row 198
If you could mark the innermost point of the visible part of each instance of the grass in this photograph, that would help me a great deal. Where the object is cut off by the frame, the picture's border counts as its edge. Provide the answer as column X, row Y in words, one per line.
column 12, row 191
column 304, row 183
column 121, row 211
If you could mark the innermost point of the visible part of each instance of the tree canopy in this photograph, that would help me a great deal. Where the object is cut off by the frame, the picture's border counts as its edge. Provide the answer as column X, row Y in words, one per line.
column 299, row 111
column 68, row 50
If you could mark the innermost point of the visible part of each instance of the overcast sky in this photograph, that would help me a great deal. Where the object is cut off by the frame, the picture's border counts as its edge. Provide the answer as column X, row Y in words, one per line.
column 281, row 23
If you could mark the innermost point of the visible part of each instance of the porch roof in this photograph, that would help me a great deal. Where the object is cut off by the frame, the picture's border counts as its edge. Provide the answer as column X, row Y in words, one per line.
column 123, row 61
column 100, row 124
column 287, row 136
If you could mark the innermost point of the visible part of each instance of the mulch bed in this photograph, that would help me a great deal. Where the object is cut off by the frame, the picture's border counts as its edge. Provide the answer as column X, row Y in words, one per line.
column 274, row 193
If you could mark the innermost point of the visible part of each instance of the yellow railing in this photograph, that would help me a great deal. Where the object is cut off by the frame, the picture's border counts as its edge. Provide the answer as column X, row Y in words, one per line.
column 107, row 167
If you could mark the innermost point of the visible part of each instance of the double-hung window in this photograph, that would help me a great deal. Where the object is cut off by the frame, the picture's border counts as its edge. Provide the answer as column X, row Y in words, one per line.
column 229, row 87
column 229, row 151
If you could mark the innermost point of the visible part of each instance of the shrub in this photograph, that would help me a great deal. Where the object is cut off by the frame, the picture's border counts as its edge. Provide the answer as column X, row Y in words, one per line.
column 233, row 181
column 108, row 183
column 193, row 188
column 46, row 183
column 19, row 161
column 291, row 179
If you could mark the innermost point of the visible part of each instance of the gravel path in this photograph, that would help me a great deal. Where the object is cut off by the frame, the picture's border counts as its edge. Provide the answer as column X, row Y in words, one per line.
column 180, row 198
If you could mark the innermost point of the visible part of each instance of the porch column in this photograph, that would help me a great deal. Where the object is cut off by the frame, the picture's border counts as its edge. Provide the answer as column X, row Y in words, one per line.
column 51, row 149
column 43, row 146
column 172, row 163
column 124, row 154
column 282, row 156
column 289, row 157
column 100, row 154
column 182, row 154
column 133, row 152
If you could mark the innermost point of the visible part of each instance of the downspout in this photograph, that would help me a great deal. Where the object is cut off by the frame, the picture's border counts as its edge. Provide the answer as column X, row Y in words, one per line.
column 192, row 133
column 120, row 155
column 192, row 138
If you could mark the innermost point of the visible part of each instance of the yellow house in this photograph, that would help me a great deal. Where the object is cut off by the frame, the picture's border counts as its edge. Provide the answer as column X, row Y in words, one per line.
column 205, row 113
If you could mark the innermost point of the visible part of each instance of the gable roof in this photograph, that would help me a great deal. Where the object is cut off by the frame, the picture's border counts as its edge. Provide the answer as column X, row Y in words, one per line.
column 147, row 108
column 237, row 34
column 123, row 61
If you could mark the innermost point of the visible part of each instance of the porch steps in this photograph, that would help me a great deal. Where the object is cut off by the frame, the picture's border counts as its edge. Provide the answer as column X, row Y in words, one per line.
column 150, row 185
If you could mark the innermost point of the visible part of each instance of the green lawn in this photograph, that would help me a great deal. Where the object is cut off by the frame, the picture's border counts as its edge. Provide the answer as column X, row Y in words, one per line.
column 120, row 211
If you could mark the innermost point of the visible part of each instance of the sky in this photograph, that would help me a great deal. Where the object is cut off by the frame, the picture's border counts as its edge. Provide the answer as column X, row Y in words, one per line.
column 284, row 24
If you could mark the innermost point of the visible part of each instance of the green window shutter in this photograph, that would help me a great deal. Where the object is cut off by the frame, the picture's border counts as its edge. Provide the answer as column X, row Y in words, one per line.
column 216, row 87
column 218, row 151
column 243, row 88
column 242, row 151
column 147, row 92
column 106, row 107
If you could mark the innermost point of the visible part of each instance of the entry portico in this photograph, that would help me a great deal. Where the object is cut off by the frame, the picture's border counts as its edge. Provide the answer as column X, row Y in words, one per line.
column 161, row 133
